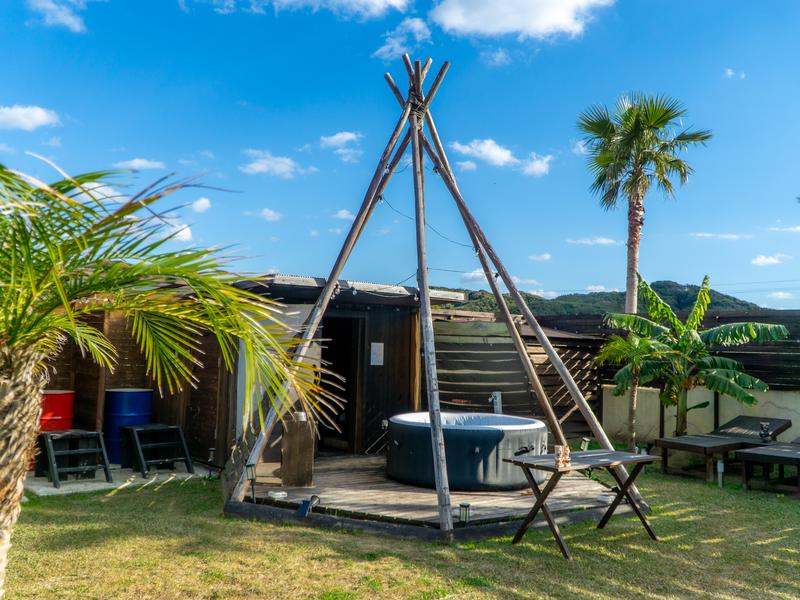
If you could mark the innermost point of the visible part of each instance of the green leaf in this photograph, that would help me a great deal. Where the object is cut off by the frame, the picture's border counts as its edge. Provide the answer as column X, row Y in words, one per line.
column 695, row 318
column 637, row 324
column 698, row 405
column 659, row 310
column 736, row 334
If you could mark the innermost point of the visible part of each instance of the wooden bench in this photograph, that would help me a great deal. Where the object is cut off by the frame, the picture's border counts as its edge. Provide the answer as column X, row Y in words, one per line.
column 774, row 454
column 737, row 434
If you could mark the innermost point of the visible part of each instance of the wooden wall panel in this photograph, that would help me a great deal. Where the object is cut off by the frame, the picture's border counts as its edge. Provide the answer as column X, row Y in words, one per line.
column 475, row 357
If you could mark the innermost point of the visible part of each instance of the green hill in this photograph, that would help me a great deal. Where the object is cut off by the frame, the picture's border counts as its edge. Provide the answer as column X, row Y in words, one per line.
column 679, row 297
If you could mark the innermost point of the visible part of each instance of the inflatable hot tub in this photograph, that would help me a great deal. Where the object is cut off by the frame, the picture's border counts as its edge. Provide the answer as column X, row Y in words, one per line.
column 475, row 446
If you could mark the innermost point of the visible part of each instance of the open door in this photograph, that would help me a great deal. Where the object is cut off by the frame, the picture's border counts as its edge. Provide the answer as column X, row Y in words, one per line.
column 342, row 353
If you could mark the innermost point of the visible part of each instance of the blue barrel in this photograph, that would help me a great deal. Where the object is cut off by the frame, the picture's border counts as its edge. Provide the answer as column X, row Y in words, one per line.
column 124, row 407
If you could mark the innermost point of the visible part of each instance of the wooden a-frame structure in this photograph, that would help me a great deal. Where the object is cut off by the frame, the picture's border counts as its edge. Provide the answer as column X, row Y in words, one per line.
column 415, row 115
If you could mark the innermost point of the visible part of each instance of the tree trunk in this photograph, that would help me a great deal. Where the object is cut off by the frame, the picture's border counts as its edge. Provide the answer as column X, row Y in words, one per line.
column 21, row 386
column 632, row 409
column 635, row 222
column 680, row 417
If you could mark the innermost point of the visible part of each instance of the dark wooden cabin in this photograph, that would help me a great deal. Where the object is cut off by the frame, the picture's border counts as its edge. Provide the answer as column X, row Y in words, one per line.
column 370, row 336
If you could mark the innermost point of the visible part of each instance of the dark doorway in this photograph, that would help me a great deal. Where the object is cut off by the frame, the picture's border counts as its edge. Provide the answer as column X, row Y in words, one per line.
column 341, row 353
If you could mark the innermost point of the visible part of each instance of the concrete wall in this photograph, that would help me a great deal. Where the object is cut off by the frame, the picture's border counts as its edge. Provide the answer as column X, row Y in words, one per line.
column 783, row 405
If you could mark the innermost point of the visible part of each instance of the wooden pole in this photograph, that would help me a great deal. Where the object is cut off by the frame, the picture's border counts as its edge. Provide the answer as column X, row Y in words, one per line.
column 516, row 338
column 555, row 359
column 426, row 327
column 380, row 179
column 440, row 161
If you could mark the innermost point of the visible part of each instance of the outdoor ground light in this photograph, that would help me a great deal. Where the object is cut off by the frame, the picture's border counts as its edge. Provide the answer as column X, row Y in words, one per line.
column 250, row 473
column 584, row 444
column 463, row 512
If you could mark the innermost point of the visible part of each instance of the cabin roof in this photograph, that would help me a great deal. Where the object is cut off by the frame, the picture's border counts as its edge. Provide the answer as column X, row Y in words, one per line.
column 294, row 289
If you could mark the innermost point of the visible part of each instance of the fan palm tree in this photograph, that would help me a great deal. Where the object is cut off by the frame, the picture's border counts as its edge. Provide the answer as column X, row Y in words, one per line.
column 630, row 151
column 690, row 361
column 68, row 251
column 634, row 353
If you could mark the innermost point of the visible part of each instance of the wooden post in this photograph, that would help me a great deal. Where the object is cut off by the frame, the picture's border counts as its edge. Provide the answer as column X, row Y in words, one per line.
column 516, row 338
column 555, row 359
column 426, row 326
column 379, row 180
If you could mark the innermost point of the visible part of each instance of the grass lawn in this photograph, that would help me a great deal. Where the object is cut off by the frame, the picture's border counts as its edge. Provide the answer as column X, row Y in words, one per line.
column 172, row 542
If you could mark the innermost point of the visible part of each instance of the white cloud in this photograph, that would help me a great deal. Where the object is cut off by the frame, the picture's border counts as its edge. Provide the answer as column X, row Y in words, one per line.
column 474, row 275
column 344, row 214
column 263, row 161
column 52, row 142
column 729, row 73
column 269, row 215
column 140, row 164
column 60, row 13
column 593, row 241
column 544, row 294
column 313, row 233
column 731, row 237
column 27, row 118
column 348, row 155
column 180, row 232
column 207, row 154
column 466, row 165
column 544, row 257
column 487, row 150
column 781, row 295
column 599, row 288
column 337, row 140
column 201, row 205
column 497, row 57
column 537, row 165
column 792, row 229
column 6, row 148
column 523, row 281
column 345, row 8
column 525, row 18
column 765, row 261
column 580, row 147
column 335, row 230
column 411, row 32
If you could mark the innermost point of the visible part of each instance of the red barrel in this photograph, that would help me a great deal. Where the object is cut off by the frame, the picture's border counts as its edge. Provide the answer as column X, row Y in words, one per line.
column 57, row 410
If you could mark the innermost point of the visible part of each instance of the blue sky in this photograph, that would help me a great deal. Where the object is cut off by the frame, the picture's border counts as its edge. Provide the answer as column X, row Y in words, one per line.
column 283, row 103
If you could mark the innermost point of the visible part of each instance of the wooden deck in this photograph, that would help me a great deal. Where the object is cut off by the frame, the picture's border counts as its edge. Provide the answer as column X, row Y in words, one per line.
column 357, row 487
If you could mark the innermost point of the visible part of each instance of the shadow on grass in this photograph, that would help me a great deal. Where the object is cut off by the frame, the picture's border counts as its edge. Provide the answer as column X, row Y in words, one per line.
column 715, row 543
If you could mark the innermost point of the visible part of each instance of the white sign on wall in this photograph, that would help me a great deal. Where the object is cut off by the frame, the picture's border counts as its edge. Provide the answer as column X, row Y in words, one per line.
column 376, row 354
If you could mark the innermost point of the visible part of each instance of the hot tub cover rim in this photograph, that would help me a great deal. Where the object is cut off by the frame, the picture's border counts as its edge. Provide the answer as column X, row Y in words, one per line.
column 476, row 421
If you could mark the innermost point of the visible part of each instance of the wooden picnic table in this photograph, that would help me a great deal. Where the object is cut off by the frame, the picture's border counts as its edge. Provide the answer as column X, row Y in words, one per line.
column 581, row 461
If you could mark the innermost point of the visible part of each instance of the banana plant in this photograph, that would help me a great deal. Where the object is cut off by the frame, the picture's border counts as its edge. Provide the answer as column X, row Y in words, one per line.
column 682, row 355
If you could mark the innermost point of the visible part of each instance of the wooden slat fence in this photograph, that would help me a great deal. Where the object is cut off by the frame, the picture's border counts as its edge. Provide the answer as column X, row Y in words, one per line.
column 475, row 356
column 777, row 363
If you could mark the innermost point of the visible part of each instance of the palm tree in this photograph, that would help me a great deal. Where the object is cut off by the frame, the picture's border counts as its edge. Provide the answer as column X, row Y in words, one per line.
column 634, row 353
column 631, row 150
column 690, row 361
column 69, row 251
